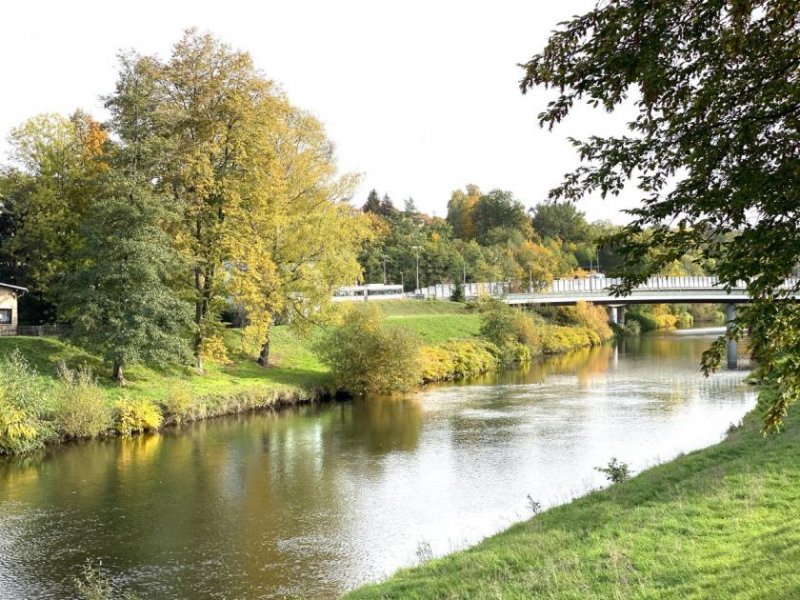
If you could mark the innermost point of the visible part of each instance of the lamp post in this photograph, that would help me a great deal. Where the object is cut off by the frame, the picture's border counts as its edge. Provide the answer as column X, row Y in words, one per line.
column 417, row 249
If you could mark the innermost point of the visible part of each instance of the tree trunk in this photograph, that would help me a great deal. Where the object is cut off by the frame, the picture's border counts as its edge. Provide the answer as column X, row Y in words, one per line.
column 263, row 357
column 198, row 321
column 116, row 373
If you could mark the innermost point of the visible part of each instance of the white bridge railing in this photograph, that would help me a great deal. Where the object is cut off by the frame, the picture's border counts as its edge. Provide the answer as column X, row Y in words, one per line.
column 590, row 286
column 600, row 284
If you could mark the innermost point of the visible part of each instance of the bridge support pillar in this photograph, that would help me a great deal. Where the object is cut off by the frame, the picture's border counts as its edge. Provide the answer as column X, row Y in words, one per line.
column 621, row 315
column 732, row 349
column 613, row 315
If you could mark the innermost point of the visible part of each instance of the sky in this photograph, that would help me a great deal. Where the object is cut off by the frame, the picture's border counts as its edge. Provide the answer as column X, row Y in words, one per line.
column 420, row 97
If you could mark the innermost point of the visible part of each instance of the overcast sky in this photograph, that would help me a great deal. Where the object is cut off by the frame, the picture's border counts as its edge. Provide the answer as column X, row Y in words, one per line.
column 420, row 96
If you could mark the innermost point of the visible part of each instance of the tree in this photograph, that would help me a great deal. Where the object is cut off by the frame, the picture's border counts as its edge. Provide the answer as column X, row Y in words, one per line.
column 46, row 197
column 119, row 301
column 713, row 149
column 459, row 212
column 367, row 357
column 560, row 220
column 373, row 203
column 496, row 209
column 299, row 237
column 120, row 298
column 211, row 109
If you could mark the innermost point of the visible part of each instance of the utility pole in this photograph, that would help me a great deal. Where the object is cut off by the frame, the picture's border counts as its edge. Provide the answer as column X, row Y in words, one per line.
column 417, row 248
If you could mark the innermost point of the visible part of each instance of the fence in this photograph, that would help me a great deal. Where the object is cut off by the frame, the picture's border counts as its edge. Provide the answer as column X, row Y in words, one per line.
column 48, row 330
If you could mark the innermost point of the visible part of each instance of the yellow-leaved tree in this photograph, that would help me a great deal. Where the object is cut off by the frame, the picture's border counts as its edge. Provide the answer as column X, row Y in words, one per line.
column 299, row 237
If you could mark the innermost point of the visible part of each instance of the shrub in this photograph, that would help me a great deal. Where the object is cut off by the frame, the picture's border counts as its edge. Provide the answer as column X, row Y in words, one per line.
column 458, row 359
column 458, row 292
column 136, row 416
column 93, row 584
column 180, row 406
column 588, row 316
column 24, row 405
column 509, row 329
column 367, row 357
column 616, row 471
column 632, row 328
column 685, row 320
column 646, row 321
column 82, row 410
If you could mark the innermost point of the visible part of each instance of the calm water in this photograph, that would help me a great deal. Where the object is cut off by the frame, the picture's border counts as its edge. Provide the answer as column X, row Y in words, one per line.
column 315, row 501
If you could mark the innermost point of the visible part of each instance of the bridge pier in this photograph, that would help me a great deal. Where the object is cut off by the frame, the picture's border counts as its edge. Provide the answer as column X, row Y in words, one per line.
column 732, row 349
column 621, row 315
column 613, row 315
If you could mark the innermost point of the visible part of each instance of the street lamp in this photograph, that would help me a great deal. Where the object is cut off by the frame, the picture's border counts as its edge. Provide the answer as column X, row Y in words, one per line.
column 417, row 248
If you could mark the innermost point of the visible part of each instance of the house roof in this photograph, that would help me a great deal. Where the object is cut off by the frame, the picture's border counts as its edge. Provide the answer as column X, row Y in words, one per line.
column 13, row 287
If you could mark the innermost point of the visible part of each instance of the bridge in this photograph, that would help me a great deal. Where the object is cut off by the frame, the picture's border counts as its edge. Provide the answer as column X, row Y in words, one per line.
column 597, row 290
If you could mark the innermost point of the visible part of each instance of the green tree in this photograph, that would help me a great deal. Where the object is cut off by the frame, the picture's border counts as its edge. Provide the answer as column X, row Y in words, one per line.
column 560, row 220
column 499, row 209
column 45, row 197
column 373, row 203
column 120, row 299
column 713, row 147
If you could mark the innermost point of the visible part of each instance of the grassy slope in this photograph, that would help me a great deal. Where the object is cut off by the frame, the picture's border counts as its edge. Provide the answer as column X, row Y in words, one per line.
column 295, row 365
column 433, row 320
column 723, row 522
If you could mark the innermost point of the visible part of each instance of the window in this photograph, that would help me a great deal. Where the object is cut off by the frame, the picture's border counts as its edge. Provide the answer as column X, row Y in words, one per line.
column 5, row 316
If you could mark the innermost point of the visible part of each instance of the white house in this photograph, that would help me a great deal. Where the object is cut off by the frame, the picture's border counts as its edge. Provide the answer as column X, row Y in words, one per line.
column 8, row 306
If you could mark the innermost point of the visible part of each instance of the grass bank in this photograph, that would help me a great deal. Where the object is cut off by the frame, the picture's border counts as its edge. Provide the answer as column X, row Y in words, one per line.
column 723, row 522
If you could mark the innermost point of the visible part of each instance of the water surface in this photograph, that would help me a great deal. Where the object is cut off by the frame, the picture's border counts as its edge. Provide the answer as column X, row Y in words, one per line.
column 314, row 501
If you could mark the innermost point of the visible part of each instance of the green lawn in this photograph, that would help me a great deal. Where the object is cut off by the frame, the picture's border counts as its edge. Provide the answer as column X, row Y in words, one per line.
column 432, row 320
column 400, row 308
column 723, row 522
column 295, row 366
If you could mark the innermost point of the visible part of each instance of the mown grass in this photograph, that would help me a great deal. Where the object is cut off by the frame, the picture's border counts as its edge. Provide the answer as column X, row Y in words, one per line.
column 723, row 522
column 432, row 320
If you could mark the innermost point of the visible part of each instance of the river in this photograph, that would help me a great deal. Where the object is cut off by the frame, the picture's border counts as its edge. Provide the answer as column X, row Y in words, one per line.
column 313, row 501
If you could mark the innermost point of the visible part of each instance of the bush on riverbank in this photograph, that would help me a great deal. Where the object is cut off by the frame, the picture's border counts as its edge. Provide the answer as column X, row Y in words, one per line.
column 520, row 335
column 81, row 409
column 366, row 357
column 458, row 359
column 25, row 402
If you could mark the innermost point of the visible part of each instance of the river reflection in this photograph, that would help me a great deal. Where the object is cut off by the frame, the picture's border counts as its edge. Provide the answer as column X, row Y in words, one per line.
column 316, row 500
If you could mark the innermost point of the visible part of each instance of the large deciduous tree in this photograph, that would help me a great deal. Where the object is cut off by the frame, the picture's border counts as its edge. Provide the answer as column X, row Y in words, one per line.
column 211, row 110
column 120, row 297
column 299, row 238
column 713, row 148
column 499, row 210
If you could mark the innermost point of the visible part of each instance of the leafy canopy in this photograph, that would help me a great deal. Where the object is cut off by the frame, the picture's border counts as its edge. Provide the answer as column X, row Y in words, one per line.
column 713, row 148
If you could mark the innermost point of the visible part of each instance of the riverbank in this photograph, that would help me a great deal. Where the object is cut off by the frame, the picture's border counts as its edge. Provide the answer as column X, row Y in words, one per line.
column 722, row 522
column 153, row 398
